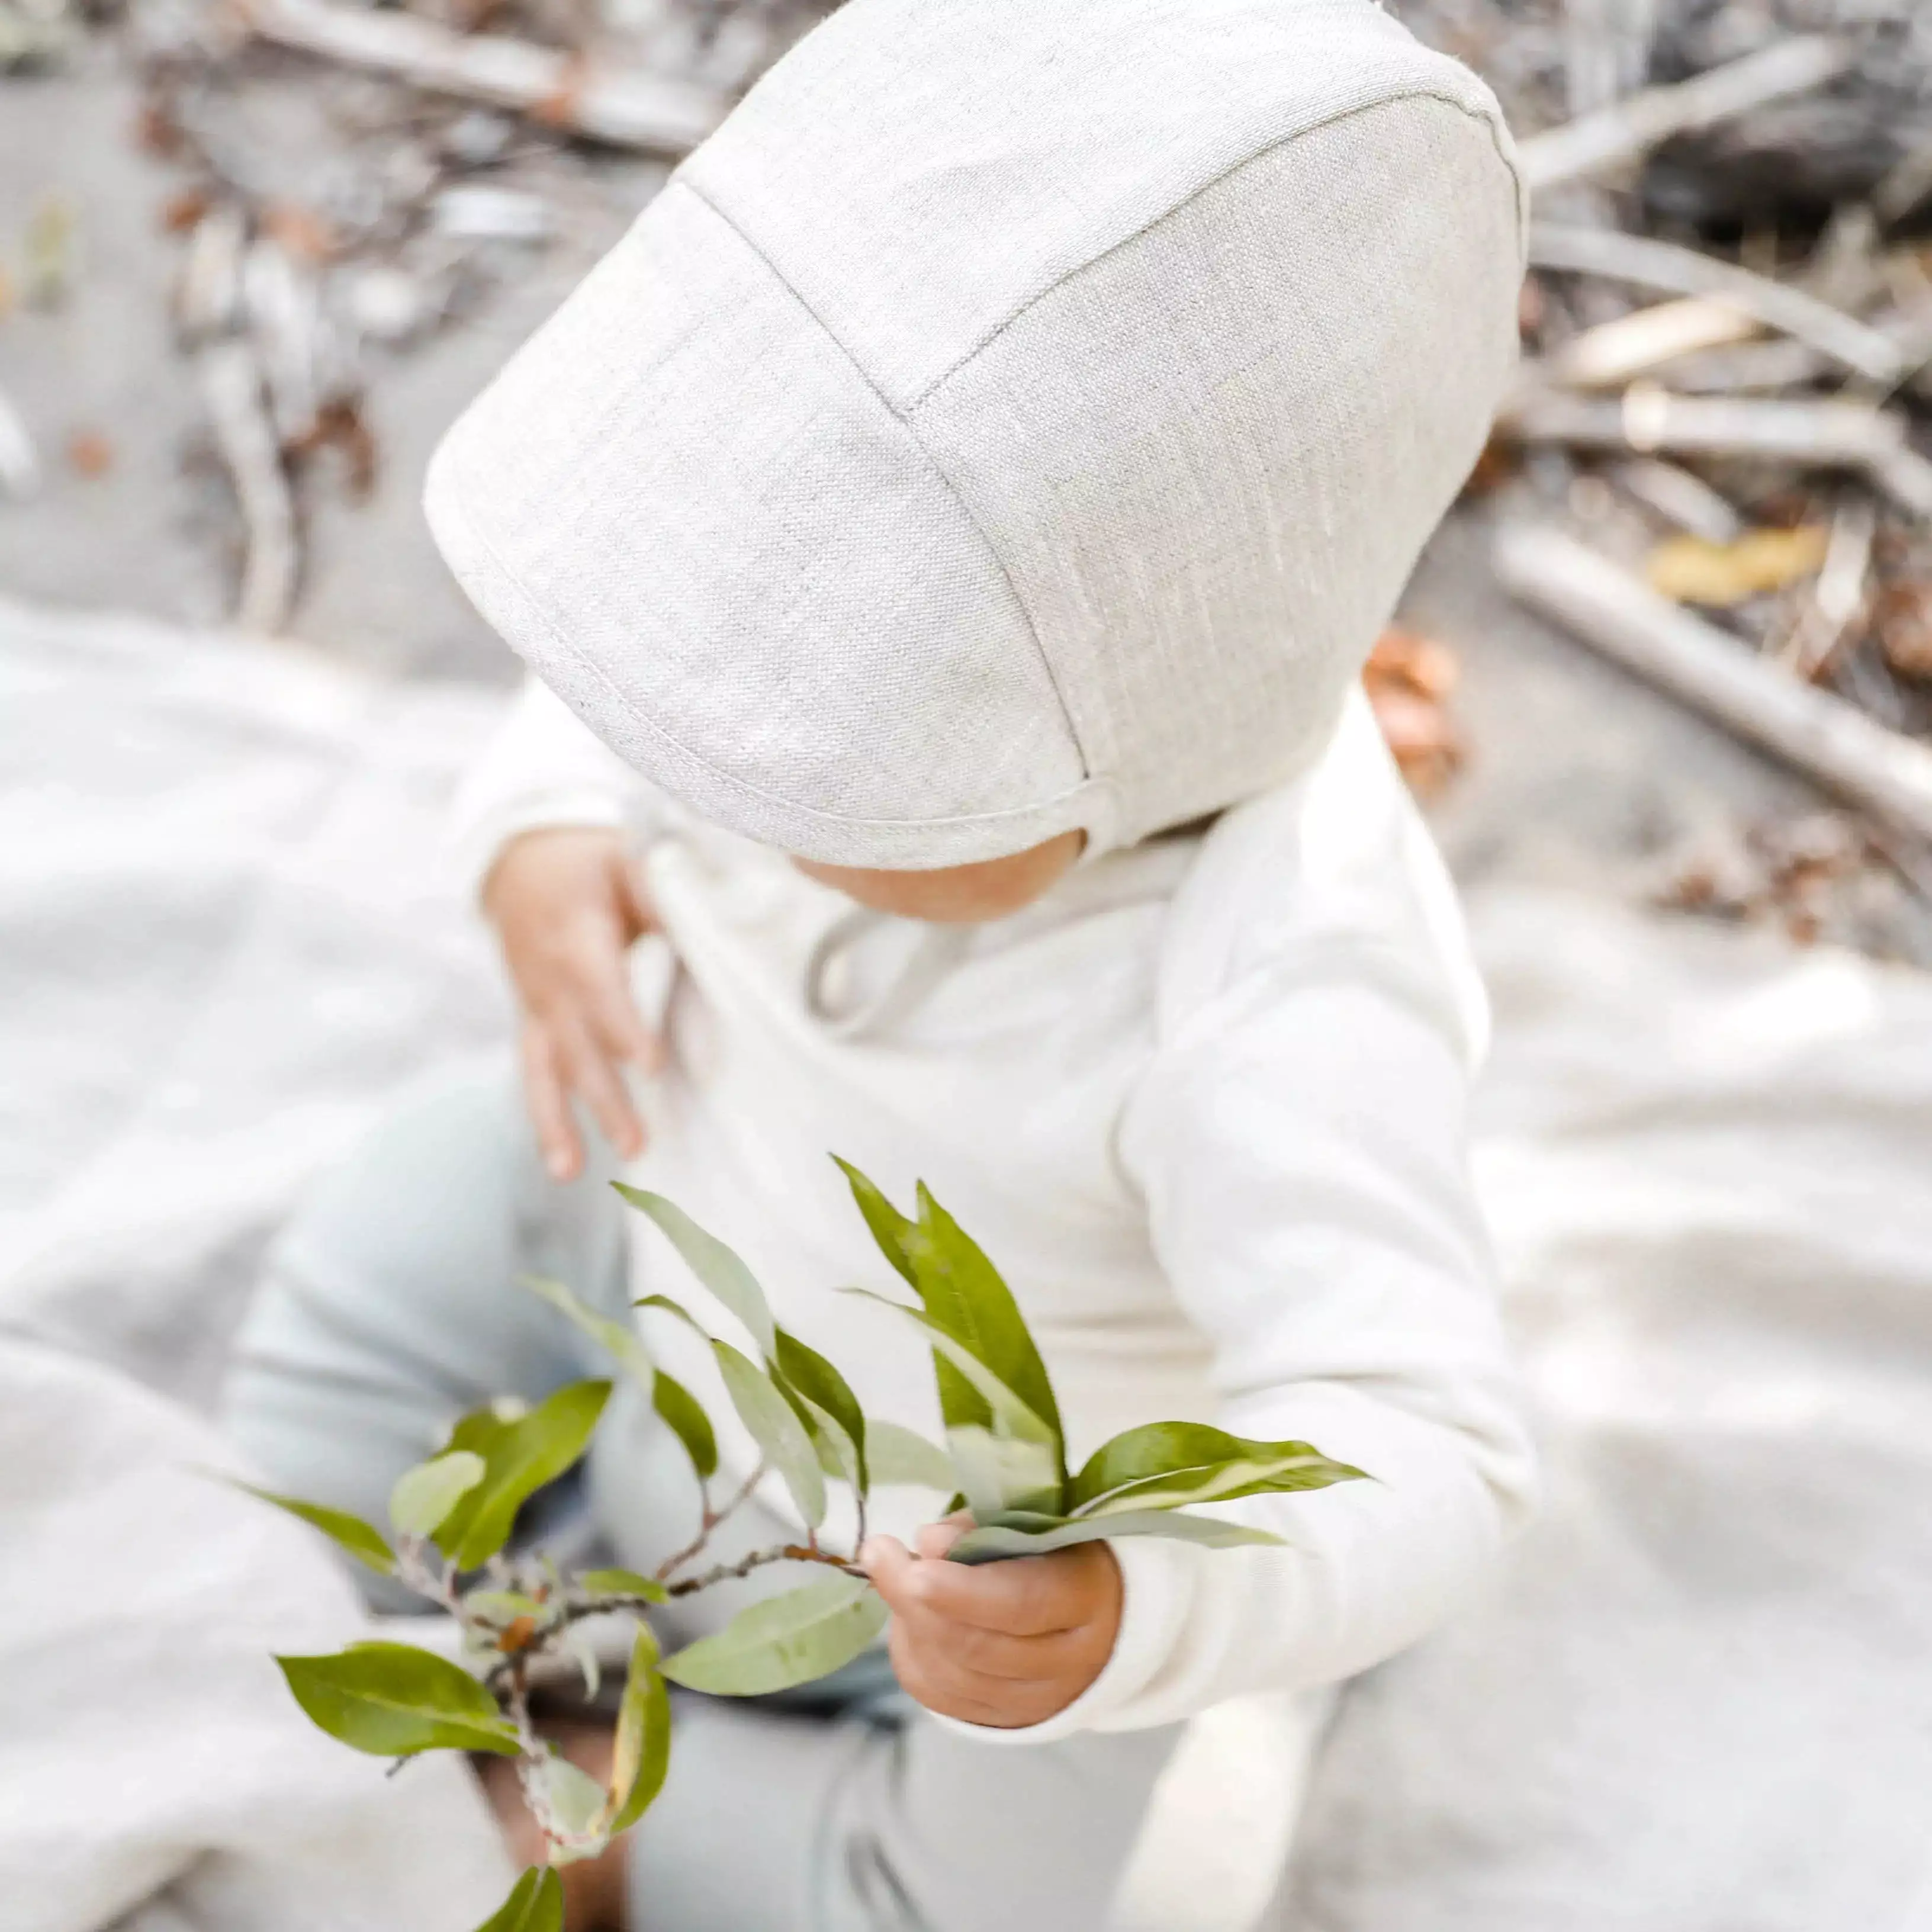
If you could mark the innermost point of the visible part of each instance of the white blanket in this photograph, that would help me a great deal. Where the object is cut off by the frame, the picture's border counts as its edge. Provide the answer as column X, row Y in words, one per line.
column 1702, row 1702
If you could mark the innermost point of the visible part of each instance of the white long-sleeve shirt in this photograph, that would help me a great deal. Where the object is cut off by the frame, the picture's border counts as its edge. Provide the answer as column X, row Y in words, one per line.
column 1204, row 1105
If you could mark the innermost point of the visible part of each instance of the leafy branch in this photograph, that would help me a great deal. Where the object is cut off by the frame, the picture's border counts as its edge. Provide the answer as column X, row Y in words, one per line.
column 451, row 1519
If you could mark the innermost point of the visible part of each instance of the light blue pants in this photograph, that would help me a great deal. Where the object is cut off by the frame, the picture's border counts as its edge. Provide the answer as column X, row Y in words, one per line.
column 389, row 1306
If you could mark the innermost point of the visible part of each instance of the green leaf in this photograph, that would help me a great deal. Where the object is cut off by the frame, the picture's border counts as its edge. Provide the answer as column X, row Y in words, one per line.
column 680, row 1410
column 643, row 1751
column 477, row 1432
column 711, row 1260
column 425, row 1495
column 780, row 1436
column 903, row 1458
column 683, row 1414
column 1168, row 1465
column 890, row 1229
column 783, row 1641
column 964, row 1295
column 618, row 1340
column 576, row 1802
column 994, row 1541
column 393, row 1700
column 535, row 1904
column 1029, row 1476
column 535, row 1449
column 362, row 1541
column 623, row 1583
column 809, row 1374
column 999, row 1474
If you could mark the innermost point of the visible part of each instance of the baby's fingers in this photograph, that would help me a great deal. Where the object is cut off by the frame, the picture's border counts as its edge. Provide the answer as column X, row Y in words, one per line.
column 601, row 1087
column 548, row 1100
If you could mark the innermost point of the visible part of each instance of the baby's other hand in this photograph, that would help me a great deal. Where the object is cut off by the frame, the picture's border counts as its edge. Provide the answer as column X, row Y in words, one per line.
column 1000, row 1644
column 567, row 909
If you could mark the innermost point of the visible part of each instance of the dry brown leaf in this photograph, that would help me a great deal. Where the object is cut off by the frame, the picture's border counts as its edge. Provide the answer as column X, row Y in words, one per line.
column 1688, row 570
column 1903, row 620
column 90, row 453
column 1409, row 678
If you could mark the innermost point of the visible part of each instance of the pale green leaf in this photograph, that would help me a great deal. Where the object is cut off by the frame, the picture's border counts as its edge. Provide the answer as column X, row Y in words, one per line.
column 998, row 1473
column 787, row 1640
column 903, row 1458
column 712, row 1261
column 890, row 1229
column 577, row 1643
column 643, row 1747
column 576, row 1800
column 775, row 1428
column 618, row 1340
column 808, row 1375
column 425, row 1495
column 524, row 1455
column 1028, row 1476
column 623, row 1583
column 362, row 1541
column 1166, row 1465
column 994, row 1541
column 535, row 1904
column 393, row 1700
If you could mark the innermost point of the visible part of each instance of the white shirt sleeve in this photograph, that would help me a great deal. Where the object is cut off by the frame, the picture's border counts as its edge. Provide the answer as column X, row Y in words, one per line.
column 1300, row 1141
column 544, row 767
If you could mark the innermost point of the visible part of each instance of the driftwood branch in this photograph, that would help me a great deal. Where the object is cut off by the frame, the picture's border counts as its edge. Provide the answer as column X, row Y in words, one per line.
column 1662, row 265
column 626, row 110
column 1594, row 142
column 1614, row 353
column 19, row 462
column 1819, row 734
column 1683, row 498
column 231, row 384
column 1825, row 435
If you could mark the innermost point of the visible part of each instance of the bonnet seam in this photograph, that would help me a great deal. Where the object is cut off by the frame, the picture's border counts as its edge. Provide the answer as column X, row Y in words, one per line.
column 1498, row 138
column 919, row 443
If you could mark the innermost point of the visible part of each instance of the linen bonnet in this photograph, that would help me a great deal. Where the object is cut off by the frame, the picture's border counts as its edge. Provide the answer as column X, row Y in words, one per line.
column 1020, row 415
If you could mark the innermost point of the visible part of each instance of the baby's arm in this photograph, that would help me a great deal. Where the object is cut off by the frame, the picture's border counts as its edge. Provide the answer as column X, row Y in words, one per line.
column 541, row 823
column 1300, row 1141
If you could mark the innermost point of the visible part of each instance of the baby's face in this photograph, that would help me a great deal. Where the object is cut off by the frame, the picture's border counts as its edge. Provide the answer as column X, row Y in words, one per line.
column 956, row 895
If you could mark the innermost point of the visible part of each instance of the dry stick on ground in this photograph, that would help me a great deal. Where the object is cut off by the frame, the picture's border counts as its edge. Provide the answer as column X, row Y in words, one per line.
column 1680, row 497
column 1822, row 735
column 1828, row 435
column 1594, row 143
column 1611, row 353
column 627, row 110
column 19, row 462
column 1662, row 265
column 1838, row 597
column 231, row 384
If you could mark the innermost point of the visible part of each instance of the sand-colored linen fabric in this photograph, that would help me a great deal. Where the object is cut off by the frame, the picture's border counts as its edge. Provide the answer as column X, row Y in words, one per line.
column 1016, row 418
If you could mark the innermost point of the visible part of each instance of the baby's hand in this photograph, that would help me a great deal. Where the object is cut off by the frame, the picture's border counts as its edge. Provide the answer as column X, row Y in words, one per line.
column 567, row 909
column 1002, row 1644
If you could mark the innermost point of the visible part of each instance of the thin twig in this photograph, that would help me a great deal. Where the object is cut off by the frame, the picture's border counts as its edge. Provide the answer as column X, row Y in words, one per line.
column 712, row 1518
column 627, row 109
column 1593, row 143
column 789, row 1553
column 1827, row 433
column 1663, row 265
column 231, row 383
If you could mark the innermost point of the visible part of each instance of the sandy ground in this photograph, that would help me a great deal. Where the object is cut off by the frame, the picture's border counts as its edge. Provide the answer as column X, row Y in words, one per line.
column 1578, row 775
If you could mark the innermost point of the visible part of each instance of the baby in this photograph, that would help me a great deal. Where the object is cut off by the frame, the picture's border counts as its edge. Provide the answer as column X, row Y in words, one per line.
column 946, row 534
